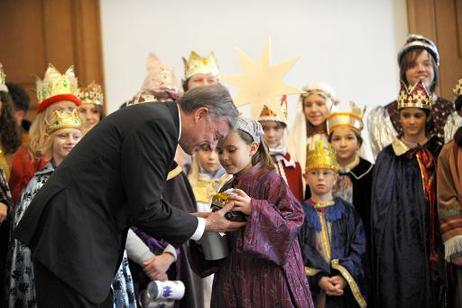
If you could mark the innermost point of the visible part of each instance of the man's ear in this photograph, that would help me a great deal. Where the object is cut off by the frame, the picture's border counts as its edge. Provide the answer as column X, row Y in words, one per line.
column 201, row 112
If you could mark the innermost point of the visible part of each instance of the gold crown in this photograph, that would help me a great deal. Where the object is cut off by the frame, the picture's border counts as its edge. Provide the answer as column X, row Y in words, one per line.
column 220, row 199
column 275, row 111
column 3, row 86
column 322, row 156
column 54, row 84
column 92, row 94
column 200, row 65
column 416, row 96
column 351, row 117
column 60, row 119
column 458, row 89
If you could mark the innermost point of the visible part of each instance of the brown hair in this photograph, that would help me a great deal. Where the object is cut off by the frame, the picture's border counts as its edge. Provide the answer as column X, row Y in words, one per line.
column 262, row 155
column 9, row 137
column 357, row 134
column 408, row 60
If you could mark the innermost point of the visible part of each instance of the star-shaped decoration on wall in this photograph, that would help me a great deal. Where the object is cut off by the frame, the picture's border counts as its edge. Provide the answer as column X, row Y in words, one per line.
column 261, row 83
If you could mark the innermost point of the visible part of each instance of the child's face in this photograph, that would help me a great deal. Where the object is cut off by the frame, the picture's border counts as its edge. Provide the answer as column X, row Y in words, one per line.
column 274, row 131
column 64, row 141
column 208, row 159
column 413, row 121
column 345, row 143
column 321, row 181
column 235, row 154
column 315, row 109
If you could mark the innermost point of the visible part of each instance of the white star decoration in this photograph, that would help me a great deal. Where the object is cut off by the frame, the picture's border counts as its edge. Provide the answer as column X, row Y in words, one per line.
column 261, row 83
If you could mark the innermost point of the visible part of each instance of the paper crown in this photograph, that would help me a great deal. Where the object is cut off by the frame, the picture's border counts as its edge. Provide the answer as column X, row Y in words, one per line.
column 416, row 96
column 197, row 64
column 60, row 119
column 56, row 87
column 161, row 83
column 458, row 89
column 341, row 115
column 92, row 94
column 3, row 86
column 321, row 156
column 275, row 111
column 415, row 41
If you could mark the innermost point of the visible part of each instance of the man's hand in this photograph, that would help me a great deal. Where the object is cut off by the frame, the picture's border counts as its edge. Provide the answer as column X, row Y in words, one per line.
column 216, row 221
column 3, row 212
column 156, row 267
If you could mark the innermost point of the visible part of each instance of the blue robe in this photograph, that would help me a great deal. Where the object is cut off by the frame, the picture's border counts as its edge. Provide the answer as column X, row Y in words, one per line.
column 407, row 249
column 333, row 243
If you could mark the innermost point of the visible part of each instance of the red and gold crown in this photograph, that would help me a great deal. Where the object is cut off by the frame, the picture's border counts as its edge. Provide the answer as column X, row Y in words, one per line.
column 458, row 89
column 3, row 86
column 321, row 156
column 275, row 111
column 197, row 64
column 56, row 87
column 60, row 119
column 416, row 96
column 351, row 116
column 92, row 94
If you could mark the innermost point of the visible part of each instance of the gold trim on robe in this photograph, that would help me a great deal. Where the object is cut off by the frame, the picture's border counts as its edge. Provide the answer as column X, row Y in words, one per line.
column 351, row 282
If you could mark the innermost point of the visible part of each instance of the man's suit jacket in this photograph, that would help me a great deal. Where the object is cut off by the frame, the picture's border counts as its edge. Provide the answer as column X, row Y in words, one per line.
column 76, row 225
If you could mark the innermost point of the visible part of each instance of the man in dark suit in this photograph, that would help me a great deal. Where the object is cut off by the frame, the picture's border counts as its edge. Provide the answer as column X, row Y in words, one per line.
column 76, row 225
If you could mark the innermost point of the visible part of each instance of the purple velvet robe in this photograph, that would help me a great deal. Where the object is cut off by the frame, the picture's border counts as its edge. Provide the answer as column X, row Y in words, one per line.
column 265, row 265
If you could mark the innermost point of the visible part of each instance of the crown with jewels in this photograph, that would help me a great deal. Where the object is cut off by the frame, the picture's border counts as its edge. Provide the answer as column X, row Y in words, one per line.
column 275, row 111
column 351, row 116
column 321, row 156
column 3, row 86
column 416, row 96
column 60, row 119
column 197, row 64
column 92, row 94
column 56, row 87
column 458, row 89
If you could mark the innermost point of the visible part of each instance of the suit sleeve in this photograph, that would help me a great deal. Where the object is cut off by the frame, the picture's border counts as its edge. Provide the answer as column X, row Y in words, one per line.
column 146, row 157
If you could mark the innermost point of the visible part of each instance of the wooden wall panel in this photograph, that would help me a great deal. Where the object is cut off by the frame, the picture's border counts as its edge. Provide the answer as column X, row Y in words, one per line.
column 441, row 21
column 34, row 33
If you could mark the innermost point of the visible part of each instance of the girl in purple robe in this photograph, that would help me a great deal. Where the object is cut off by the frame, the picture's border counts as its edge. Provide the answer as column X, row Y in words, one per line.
column 264, row 267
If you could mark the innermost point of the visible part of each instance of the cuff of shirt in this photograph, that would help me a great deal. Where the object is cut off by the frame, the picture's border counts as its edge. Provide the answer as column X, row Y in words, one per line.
column 171, row 250
column 199, row 230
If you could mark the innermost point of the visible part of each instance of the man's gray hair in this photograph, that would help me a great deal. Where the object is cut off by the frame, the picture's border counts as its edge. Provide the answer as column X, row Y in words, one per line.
column 215, row 98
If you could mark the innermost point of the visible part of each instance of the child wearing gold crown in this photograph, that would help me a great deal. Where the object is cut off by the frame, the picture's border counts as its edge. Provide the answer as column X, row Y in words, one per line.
column 200, row 71
column 55, row 92
column 91, row 110
column 264, row 265
column 332, row 238
column 62, row 132
column 408, row 253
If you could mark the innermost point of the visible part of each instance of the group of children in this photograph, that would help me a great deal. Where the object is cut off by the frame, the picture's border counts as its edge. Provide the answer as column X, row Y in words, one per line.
column 324, row 227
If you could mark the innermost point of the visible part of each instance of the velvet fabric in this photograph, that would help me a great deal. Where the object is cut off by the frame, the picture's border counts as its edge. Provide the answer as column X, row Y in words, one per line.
column 407, row 273
column 347, row 248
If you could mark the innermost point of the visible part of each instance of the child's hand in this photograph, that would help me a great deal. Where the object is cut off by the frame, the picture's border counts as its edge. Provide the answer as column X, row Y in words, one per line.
column 242, row 202
column 328, row 286
column 339, row 282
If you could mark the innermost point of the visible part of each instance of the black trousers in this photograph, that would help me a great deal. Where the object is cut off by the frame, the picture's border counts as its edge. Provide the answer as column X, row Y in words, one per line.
column 53, row 292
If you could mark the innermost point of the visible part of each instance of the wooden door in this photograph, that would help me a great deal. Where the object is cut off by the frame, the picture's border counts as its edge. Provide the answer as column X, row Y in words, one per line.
column 34, row 33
